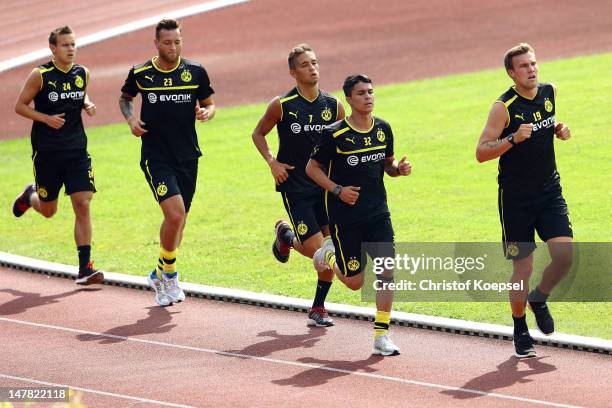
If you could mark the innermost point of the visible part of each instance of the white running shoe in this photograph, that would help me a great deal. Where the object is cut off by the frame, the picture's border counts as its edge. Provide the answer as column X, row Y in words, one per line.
column 384, row 346
column 320, row 257
column 318, row 316
column 157, row 285
column 172, row 288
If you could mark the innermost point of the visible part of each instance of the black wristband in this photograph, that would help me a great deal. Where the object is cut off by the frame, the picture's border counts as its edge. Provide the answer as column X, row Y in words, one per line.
column 337, row 190
column 511, row 140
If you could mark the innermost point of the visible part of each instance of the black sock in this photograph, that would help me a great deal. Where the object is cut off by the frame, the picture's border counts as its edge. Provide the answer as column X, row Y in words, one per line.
column 84, row 254
column 520, row 324
column 288, row 236
column 321, row 293
column 537, row 296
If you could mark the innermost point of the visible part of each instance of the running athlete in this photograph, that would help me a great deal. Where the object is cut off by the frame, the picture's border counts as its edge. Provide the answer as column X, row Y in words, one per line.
column 299, row 117
column 520, row 131
column 175, row 92
column 356, row 152
column 59, row 144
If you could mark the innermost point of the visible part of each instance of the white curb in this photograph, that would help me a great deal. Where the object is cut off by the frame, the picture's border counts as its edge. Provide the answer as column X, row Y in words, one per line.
column 284, row 302
column 119, row 30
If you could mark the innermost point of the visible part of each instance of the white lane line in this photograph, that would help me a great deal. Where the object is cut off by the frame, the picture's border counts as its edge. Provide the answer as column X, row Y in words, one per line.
column 291, row 363
column 283, row 302
column 107, row 394
column 122, row 29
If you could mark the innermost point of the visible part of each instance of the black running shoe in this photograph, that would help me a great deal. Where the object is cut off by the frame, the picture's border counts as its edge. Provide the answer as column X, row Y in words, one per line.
column 89, row 276
column 544, row 320
column 523, row 345
column 279, row 248
column 22, row 202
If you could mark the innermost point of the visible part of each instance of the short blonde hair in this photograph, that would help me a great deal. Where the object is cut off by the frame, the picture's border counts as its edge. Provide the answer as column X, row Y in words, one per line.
column 57, row 32
column 520, row 49
column 296, row 52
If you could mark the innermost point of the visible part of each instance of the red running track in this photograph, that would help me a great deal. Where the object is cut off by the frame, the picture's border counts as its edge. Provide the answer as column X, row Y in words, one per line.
column 244, row 48
column 31, row 21
column 113, row 340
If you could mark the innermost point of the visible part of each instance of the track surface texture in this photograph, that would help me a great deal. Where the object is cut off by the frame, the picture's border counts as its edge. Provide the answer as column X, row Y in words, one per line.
column 245, row 47
column 209, row 353
column 120, row 349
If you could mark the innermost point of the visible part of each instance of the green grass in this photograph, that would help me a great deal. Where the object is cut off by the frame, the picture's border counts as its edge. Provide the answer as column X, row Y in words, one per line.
column 449, row 196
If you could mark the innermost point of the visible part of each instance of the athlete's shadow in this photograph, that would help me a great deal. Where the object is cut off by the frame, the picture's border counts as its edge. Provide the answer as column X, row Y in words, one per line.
column 506, row 375
column 329, row 370
column 28, row 300
column 279, row 342
column 157, row 321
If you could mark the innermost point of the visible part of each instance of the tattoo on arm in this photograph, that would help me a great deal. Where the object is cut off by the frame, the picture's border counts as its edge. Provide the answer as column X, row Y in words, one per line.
column 493, row 143
column 126, row 106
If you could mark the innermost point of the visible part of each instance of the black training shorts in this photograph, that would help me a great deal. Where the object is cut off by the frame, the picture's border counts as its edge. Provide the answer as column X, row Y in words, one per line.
column 348, row 241
column 521, row 215
column 169, row 179
column 70, row 168
column 306, row 213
